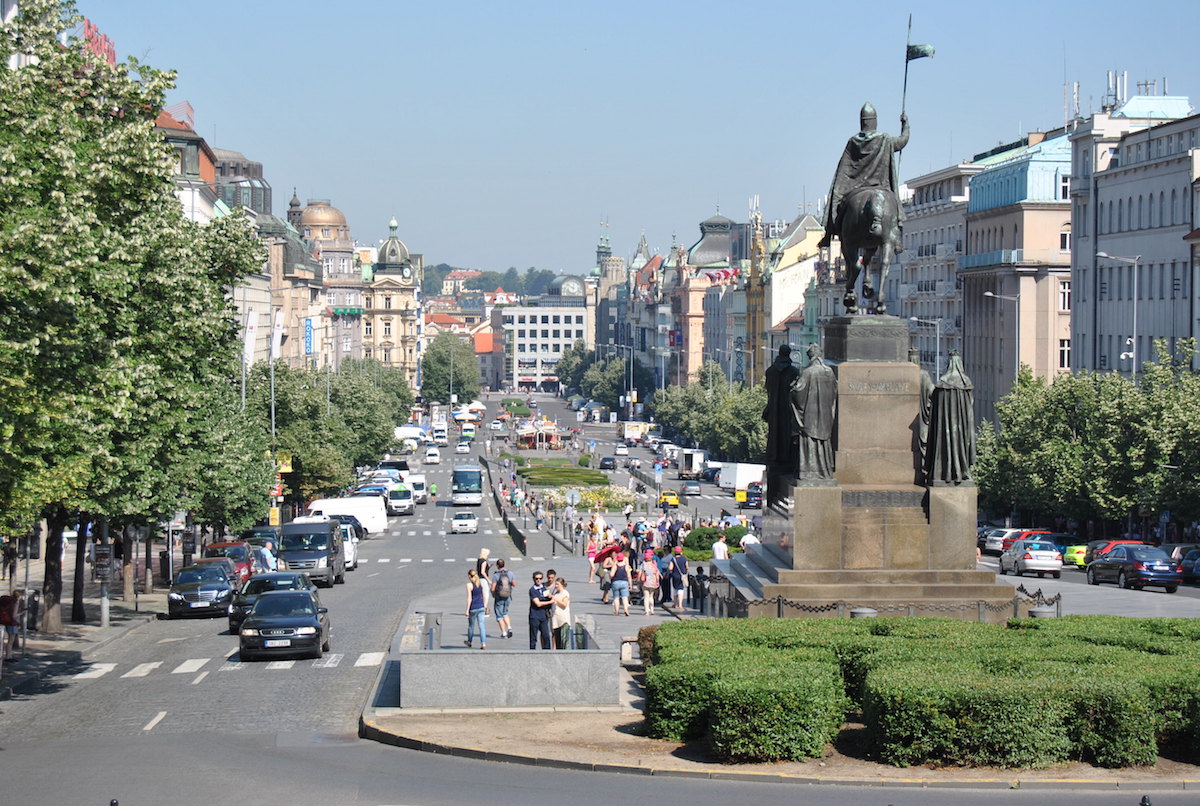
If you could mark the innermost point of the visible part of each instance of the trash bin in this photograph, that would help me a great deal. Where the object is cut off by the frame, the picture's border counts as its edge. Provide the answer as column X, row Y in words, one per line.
column 432, row 623
column 164, row 568
column 1043, row 611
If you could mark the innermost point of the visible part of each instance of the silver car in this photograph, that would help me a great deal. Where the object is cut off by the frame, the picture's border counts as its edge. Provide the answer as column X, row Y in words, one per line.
column 1032, row 556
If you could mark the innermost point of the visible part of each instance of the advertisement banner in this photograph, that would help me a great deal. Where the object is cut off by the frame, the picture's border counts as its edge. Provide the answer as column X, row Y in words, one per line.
column 251, row 337
column 277, row 335
column 308, row 336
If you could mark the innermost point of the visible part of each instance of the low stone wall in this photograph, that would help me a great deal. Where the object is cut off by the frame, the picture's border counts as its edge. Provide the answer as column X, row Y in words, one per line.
column 508, row 678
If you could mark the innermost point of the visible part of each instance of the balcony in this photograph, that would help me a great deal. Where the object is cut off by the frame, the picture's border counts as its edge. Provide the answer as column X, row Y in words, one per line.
column 1016, row 257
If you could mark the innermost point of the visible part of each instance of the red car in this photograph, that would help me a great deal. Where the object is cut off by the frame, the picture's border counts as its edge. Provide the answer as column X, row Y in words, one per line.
column 1098, row 548
column 1024, row 534
column 236, row 551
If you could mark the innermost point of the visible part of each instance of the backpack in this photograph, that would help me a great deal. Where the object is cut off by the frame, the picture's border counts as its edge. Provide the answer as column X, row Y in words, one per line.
column 503, row 588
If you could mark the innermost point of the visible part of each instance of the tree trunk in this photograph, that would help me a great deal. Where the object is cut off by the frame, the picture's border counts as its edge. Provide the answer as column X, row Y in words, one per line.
column 78, row 615
column 128, row 564
column 52, row 574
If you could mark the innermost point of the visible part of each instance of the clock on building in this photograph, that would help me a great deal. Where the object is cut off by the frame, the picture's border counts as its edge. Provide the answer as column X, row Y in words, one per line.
column 572, row 287
column 406, row 272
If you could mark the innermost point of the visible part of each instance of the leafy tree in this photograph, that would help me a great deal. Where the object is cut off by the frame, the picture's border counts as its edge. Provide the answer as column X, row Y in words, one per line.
column 392, row 383
column 573, row 364
column 537, row 281
column 439, row 372
column 726, row 420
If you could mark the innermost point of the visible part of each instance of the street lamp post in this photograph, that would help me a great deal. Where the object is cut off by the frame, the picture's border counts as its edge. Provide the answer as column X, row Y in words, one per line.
column 937, row 365
column 1016, row 300
column 1133, row 339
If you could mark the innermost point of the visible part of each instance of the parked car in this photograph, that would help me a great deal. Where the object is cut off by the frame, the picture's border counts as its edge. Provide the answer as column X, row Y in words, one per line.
column 710, row 474
column 200, row 590
column 621, row 450
column 1177, row 551
column 753, row 498
column 668, row 498
column 285, row 623
column 1076, row 555
column 238, row 552
column 1097, row 548
column 1135, row 565
column 608, row 463
column 1187, row 567
column 464, row 522
column 1032, row 555
column 690, row 488
column 993, row 542
column 243, row 600
column 1008, row 540
column 229, row 565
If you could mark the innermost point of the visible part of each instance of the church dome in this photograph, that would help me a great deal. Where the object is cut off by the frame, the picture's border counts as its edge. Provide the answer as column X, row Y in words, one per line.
column 566, row 285
column 393, row 250
column 320, row 213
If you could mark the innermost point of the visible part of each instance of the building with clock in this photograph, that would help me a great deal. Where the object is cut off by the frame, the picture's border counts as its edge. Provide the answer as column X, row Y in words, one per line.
column 393, row 320
column 323, row 227
column 529, row 339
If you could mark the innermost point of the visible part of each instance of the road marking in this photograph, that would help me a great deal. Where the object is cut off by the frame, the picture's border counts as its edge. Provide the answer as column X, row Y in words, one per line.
column 369, row 576
column 363, row 560
column 142, row 669
column 96, row 670
column 150, row 725
column 369, row 659
column 427, row 561
column 384, row 560
column 230, row 666
column 329, row 661
column 281, row 664
column 449, row 560
column 406, row 560
column 199, row 677
column 170, row 640
column 189, row 666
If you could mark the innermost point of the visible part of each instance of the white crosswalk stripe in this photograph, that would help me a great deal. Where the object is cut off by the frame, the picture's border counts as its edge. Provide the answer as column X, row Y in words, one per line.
column 96, row 670
column 329, row 661
column 142, row 669
column 190, row 665
column 383, row 560
column 281, row 664
column 231, row 666
column 369, row 659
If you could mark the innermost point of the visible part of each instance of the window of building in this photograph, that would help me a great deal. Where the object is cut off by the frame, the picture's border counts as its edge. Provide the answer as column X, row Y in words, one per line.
column 1064, row 239
column 368, row 328
column 1064, row 187
column 521, row 333
column 387, row 330
column 347, row 344
column 387, row 302
column 325, row 232
column 545, row 319
column 1064, row 295
column 387, row 355
column 556, row 320
column 556, row 332
column 1064, row 353
column 545, row 334
column 579, row 334
column 579, row 320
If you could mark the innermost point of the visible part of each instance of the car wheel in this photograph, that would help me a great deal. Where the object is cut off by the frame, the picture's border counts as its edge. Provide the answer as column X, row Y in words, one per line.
column 1041, row 575
column 1122, row 582
column 1091, row 577
column 325, row 646
column 1058, row 574
column 1003, row 570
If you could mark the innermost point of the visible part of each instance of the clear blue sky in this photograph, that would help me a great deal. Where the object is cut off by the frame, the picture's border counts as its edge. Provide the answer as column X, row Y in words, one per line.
column 503, row 134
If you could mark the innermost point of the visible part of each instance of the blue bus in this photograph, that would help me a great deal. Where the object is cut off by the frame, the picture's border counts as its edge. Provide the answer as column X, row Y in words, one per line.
column 466, row 485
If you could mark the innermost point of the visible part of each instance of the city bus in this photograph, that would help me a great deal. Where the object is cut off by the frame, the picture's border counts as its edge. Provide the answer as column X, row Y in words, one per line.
column 466, row 485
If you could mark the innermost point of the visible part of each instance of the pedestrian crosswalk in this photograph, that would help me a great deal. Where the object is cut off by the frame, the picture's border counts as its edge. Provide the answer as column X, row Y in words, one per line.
column 403, row 560
column 231, row 663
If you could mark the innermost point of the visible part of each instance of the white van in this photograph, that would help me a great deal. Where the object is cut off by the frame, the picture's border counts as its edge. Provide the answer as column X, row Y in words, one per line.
column 420, row 488
column 369, row 509
column 433, row 456
column 440, row 436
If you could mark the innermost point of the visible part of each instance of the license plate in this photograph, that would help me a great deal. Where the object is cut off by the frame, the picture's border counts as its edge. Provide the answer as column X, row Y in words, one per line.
column 277, row 642
column 197, row 604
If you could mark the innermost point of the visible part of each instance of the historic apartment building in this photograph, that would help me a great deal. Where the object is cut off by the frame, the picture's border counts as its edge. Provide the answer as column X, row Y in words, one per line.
column 393, row 317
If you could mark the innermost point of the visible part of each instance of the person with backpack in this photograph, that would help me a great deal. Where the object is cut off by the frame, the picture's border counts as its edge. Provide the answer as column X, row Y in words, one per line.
column 650, row 579
column 502, row 588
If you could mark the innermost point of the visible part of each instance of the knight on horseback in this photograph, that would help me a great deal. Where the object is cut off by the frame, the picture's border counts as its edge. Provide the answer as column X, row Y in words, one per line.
column 870, row 220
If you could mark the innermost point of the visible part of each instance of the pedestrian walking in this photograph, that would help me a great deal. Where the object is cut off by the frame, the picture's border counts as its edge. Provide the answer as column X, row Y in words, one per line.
column 503, row 583
column 11, row 611
column 651, row 579
column 679, row 573
column 477, row 609
column 539, row 613
column 10, row 560
column 433, row 493
column 620, row 584
column 482, row 567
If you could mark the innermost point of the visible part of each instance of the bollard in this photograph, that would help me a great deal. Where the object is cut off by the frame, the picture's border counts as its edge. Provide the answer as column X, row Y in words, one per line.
column 863, row 612
column 580, row 637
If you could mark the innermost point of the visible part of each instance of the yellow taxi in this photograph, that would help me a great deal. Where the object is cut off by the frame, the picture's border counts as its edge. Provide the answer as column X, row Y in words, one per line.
column 668, row 498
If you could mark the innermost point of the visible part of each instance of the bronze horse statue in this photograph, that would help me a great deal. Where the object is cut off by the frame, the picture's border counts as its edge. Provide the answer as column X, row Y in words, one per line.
column 870, row 223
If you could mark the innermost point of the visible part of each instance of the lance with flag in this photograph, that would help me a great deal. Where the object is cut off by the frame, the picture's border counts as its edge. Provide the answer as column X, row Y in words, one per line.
column 911, row 52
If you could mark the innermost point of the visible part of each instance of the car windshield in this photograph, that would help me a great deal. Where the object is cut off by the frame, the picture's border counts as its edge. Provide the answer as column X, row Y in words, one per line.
column 284, row 606
column 1040, row 547
column 261, row 584
column 192, row 575
column 464, row 517
column 236, row 553
column 310, row 541
column 1146, row 554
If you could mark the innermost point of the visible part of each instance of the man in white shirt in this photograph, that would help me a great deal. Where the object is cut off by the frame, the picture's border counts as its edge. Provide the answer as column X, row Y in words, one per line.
column 720, row 550
column 749, row 539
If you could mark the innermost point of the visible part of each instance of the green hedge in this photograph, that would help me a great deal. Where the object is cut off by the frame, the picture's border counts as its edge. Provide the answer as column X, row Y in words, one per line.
column 1032, row 693
column 563, row 476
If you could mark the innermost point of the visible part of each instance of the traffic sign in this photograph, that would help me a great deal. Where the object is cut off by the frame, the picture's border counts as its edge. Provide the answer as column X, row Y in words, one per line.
column 572, row 496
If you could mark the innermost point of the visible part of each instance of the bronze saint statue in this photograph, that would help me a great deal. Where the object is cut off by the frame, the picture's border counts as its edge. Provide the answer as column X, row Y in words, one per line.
column 924, row 416
column 781, row 425
column 951, row 451
column 864, row 209
column 814, row 396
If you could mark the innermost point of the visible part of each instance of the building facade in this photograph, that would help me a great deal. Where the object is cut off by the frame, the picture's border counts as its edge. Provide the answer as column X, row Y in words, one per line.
column 531, row 337
column 393, row 318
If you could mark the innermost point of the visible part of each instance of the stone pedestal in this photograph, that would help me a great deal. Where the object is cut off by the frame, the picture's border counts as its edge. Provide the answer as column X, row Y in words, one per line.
column 876, row 539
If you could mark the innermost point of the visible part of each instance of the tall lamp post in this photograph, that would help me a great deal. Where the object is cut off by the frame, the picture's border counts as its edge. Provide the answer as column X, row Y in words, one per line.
column 1016, row 300
column 1132, row 353
column 937, row 362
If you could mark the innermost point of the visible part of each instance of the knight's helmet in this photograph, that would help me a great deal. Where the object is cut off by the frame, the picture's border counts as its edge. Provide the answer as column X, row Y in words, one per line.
column 867, row 117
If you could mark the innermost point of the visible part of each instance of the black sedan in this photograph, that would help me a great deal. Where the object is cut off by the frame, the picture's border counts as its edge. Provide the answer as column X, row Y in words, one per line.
column 608, row 463
column 243, row 601
column 285, row 623
column 1135, row 566
column 200, row 590
column 1188, row 567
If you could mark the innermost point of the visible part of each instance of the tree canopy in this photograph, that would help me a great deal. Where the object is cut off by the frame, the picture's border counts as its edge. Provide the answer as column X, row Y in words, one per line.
column 450, row 361
column 725, row 418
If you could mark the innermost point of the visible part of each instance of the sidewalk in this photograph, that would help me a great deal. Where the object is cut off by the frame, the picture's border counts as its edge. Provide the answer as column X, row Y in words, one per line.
column 46, row 654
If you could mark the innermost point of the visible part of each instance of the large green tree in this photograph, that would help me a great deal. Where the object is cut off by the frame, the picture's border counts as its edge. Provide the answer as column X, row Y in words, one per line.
column 724, row 418
column 449, row 366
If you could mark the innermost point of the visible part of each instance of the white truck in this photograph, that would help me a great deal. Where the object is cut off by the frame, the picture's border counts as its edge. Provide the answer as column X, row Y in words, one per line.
column 691, row 463
column 740, row 475
column 370, row 510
